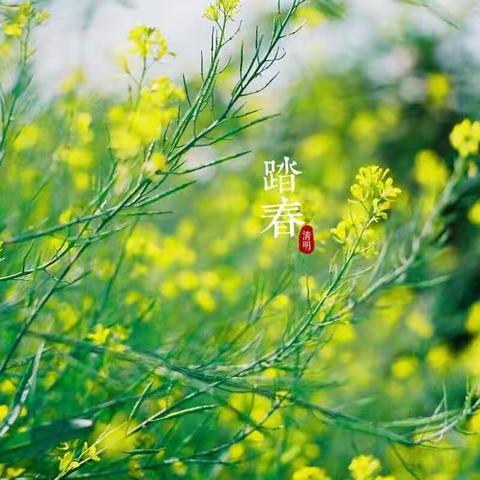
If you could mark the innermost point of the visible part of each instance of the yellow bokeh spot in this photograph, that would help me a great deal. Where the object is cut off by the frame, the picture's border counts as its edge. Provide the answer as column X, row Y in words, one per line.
column 205, row 300
column 472, row 324
column 236, row 452
column 100, row 334
column 3, row 412
column 345, row 333
column 430, row 171
column 364, row 467
column 438, row 88
column 404, row 367
column 418, row 323
column 28, row 138
column 439, row 358
column 116, row 438
column 474, row 213
column 310, row 473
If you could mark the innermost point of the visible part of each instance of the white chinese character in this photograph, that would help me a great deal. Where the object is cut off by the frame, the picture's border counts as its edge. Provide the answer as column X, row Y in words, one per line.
column 284, row 217
column 281, row 175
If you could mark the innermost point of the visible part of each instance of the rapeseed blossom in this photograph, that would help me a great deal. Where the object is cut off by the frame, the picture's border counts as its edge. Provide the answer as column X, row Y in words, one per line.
column 25, row 14
column 438, row 88
column 115, row 438
column 220, row 8
column 28, row 138
column 3, row 412
column 472, row 323
column 364, row 467
column 10, row 472
column 465, row 137
column 147, row 42
column 133, row 127
column 100, row 334
column 68, row 463
column 156, row 164
column 430, row 170
column 310, row 473
column 373, row 193
column 474, row 213
column 77, row 153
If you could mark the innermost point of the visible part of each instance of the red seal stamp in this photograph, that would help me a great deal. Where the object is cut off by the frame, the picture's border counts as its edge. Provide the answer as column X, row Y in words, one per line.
column 306, row 240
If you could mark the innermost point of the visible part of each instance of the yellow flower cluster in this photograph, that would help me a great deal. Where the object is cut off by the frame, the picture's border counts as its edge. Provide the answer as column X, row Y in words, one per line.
column 363, row 467
column 25, row 14
column 77, row 154
column 373, row 193
column 430, row 170
column 465, row 137
column 114, row 336
column 10, row 472
column 116, row 437
column 148, row 42
column 366, row 467
column 438, row 88
column 132, row 128
column 68, row 462
column 474, row 213
column 432, row 174
column 221, row 8
column 310, row 473
column 28, row 138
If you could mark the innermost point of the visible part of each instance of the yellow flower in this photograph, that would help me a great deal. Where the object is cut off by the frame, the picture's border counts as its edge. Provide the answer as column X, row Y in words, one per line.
column 204, row 299
column 404, row 367
column 14, row 472
column 42, row 17
column 3, row 412
column 419, row 323
column 373, row 193
column 68, row 463
column 148, row 42
column 179, row 468
column 472, row 324
column 82, row 123
column 364, row 467
column 310, row 15
column 236, row 452
column 474, row 423
column 132, row 129
column 342, row 231
column 24, row 15
column 430, row 171
column 465, row 137
column 374, row 189
column 27, row 138
column 156, row 164
column 212, row 13
column 220, row 8
column 187, row 280
column 115, row 438
column 90, row 453
column 474, row 213
column 7, row 387
column 345, row 333
column 438, row 88
column 439, row 357
column 81, row 180
column 99, row 335
column 13, row 30
column 310, row 473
